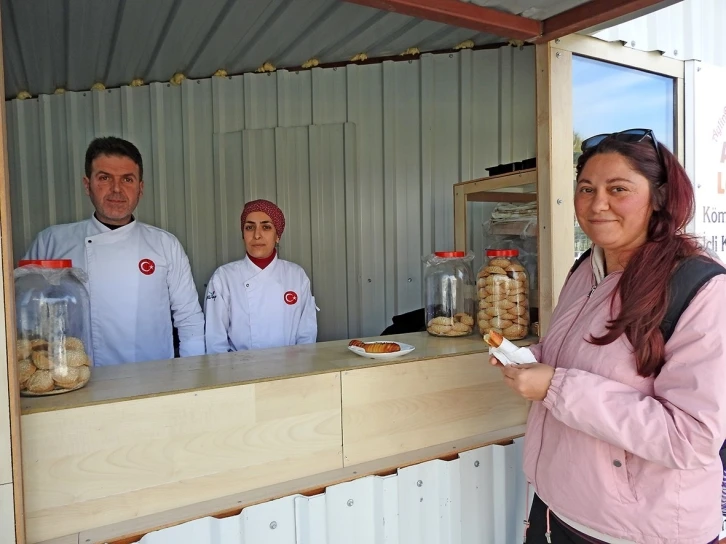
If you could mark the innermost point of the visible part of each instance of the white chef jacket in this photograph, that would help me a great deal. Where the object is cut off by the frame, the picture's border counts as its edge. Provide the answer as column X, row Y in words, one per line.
column 139, row 279
column 247, row 307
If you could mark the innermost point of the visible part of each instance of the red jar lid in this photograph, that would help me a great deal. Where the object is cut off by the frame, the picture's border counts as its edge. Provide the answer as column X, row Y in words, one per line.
column 449, row 254
column 502, row 252
column 47, row 263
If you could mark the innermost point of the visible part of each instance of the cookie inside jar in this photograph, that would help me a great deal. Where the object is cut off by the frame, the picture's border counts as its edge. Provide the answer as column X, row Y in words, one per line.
column 52, row 367
column 503, row 295
column 449, row 293
column 53, row 348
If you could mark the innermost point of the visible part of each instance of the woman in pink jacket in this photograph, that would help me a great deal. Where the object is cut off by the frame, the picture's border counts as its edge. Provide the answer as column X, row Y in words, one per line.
column 624, row 432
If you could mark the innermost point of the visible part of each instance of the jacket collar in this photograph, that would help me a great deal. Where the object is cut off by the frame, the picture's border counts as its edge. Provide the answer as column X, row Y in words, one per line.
column 98, row 228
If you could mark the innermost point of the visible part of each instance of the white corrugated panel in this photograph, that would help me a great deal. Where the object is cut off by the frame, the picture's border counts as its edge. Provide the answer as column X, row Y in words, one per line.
column 688, row 30
column 361, row 158
column 478, row 498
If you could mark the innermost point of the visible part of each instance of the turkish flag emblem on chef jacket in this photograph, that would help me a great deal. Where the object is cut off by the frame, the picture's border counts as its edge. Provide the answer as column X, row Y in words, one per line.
column 147, row 267
column 290, row 297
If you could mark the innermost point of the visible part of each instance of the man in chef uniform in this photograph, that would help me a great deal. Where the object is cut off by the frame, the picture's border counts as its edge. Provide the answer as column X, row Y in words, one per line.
column 139, row 278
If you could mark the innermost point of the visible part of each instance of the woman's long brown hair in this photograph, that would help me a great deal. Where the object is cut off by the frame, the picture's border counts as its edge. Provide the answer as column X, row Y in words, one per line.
column 643, row 287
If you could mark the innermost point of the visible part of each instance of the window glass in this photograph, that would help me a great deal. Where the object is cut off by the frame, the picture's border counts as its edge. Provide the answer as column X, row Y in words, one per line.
column 609, row 98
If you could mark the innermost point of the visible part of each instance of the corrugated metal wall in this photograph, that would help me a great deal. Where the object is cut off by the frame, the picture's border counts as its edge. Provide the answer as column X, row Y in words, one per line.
column 361, row 158
column 479, row 498
column 688, row 30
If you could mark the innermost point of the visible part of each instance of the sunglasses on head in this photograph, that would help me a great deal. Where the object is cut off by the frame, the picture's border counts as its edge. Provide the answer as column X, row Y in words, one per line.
column 631, row 136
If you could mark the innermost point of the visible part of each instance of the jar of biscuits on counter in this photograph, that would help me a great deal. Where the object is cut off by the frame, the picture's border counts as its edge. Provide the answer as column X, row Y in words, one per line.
column 449, row 293
column 53, row 327
column 503, row 291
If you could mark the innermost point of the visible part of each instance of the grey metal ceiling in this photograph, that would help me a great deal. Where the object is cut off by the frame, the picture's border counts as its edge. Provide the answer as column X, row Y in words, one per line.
column 73, row 44
column 533, row 9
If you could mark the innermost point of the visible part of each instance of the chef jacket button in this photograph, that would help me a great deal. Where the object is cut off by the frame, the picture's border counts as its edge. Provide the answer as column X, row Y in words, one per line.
column 617, row 463
column 247, row 285
column 89, row 241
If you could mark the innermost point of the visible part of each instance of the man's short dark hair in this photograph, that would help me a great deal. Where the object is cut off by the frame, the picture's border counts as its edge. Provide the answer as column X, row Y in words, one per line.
column 114, row 147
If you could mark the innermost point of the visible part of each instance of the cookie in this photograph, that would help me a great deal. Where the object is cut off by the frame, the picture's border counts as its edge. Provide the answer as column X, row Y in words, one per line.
column 499, row 323
column 42, row 360
column 502, row 263
column 25, row 370
column 438, row 329
column 461, row 327
column 492, row 311
column 466, row 319
column 76, row 358
column 496, row 278
column 65, row 376
column 441, row 321
column 504, row 304
column 73, row 343
column 454, row 332
column 494, row 270
column 40, row 382
column 84, row 374
column 515, row 332
column 39, row 344
column 513, row 267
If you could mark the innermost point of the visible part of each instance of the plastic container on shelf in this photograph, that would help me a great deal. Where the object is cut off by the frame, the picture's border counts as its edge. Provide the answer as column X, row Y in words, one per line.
column 53, row 327
column 449, row 293
column 503, row 290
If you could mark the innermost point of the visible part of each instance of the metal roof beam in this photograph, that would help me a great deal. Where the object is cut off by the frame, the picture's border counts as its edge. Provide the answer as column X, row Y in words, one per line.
column 593, row 13
column 462, row 14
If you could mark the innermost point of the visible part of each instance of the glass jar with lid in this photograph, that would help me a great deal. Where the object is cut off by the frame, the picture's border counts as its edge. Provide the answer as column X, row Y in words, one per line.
column 503, row 291
column 449, row 293
column 53, row 327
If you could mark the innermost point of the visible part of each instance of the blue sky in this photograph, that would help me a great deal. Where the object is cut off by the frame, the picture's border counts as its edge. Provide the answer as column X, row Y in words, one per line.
column 610, row 98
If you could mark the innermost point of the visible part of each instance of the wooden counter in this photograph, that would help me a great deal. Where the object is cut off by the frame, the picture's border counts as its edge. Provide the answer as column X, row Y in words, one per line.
column 155, row 378
column 154, row 443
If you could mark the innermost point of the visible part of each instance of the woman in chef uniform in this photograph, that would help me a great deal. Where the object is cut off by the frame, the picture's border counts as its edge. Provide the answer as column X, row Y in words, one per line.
column 260, row 301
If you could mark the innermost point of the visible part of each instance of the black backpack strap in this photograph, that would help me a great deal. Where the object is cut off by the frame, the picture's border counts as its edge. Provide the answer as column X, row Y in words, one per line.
column 578, row 262
column 687, row 280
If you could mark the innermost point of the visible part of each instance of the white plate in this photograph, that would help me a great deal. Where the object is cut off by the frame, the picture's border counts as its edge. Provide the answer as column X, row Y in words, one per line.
column 405, row 348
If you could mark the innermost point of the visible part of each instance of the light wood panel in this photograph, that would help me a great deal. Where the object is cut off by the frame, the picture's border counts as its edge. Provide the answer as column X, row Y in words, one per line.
column 6, row 465
column 394, row 409
column 139, row 380
column 94, row 466
column 10, row 452
column 615, row 52
column 555, row 175
column 500, row 188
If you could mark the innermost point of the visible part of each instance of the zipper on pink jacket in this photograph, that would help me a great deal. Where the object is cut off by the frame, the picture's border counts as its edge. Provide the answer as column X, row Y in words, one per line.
column 536, row 467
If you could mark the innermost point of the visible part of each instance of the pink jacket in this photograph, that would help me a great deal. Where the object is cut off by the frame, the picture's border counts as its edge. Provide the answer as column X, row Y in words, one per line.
column 632, row 457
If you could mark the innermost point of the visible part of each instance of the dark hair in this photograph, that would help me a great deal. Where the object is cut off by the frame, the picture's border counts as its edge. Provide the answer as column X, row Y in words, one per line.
column 644, row 285
column 114, row 147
